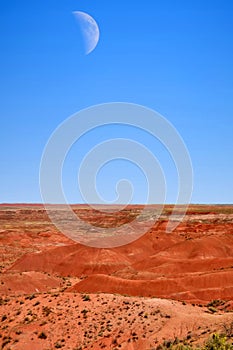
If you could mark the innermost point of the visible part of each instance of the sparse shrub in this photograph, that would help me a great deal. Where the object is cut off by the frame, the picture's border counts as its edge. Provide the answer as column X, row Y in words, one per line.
column 30, row 297
column 42, row 335
column 86, row 297
column 27, row 319
column 6, row 340
column 212, row 309
column 46, row 310
column 84, row 312
column 216, row 302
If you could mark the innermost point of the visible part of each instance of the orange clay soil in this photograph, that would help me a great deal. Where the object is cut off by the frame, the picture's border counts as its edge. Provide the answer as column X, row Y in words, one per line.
column 160, row 287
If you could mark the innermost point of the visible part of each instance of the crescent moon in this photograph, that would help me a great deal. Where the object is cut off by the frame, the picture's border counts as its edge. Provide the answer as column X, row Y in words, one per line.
column 90, row 30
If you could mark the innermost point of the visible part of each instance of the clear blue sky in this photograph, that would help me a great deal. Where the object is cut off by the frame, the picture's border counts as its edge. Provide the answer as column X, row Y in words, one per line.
column 173, row 56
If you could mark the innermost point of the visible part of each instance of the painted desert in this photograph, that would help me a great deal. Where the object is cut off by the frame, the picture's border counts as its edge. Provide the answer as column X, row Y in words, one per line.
column 161, row 290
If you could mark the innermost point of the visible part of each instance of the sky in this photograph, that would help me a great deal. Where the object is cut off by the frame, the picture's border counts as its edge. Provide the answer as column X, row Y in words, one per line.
column 173, row 56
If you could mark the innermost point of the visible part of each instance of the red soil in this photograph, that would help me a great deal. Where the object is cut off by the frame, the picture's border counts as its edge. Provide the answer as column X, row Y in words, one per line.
column 193, row 264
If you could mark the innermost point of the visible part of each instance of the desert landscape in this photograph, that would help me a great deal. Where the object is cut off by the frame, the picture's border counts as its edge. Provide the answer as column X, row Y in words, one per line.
column 158, row 291
column 116, row 207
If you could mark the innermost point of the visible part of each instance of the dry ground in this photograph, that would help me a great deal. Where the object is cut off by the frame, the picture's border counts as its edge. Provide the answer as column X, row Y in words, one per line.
column 56, row 293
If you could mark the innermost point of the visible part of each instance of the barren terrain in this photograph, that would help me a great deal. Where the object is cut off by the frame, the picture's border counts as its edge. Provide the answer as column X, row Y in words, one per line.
column 55, row 293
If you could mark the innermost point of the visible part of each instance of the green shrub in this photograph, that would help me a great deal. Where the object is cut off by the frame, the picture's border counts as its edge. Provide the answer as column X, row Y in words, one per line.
column 216, row 342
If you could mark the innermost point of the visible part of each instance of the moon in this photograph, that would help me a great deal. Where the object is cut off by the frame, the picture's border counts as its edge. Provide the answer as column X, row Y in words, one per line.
column 89, row 29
